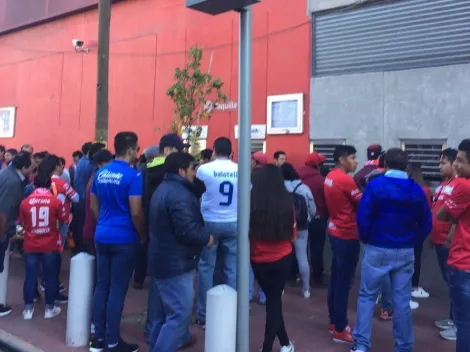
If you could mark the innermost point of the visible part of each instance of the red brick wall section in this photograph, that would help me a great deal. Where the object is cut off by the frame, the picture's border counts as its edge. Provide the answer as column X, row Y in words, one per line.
column 54, row 88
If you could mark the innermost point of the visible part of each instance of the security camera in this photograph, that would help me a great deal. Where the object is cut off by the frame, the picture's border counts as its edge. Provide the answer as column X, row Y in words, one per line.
column 77, row 43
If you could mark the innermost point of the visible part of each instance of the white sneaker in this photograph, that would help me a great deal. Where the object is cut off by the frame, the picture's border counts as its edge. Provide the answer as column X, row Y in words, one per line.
column 51, row 313
column 414, row 305
column 449, row 334
column 419, row 293
column 289, row 348
column 444, row 324
column 28, row 314
column 306, row 294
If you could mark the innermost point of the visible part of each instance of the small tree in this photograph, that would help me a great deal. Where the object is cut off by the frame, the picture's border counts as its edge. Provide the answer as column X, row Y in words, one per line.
column 195, row 94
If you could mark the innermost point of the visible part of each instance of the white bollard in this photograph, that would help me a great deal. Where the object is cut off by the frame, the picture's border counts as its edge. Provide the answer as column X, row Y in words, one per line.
column 221, row 319
column 4, row 277
column 80, row 299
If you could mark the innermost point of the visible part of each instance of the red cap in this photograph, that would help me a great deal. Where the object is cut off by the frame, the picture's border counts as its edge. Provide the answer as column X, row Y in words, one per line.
column 313, row 159
column 260, row 158
column 374, row 151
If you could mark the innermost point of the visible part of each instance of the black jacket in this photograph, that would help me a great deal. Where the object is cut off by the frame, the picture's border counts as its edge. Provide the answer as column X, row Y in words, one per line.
column 177, row 233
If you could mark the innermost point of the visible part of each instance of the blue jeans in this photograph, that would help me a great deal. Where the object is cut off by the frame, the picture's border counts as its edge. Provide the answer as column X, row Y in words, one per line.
column 345, row 255
column 225, row 235
column 262, row 296
column 387, row 294
column 33, row 263
column 114, row 267
column 442, row 254
column 152, row 304
column 459, row 282
column 380, row 265
column 173, row 308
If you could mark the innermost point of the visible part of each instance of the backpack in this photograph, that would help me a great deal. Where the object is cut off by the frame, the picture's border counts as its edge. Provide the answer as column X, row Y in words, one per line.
column 301, row 209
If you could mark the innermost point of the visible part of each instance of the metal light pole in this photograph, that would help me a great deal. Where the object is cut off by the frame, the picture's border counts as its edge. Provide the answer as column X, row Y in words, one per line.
column 244, row 179
column 102, row 105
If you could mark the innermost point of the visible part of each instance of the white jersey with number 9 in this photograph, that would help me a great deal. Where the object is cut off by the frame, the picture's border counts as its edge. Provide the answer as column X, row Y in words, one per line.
column 219, row 202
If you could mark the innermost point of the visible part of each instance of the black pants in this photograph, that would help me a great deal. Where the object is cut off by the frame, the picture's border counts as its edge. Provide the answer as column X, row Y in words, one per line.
column 317, row 237
column 417, row 273
column 272, row 278
column 76, row 227
column 140, row 271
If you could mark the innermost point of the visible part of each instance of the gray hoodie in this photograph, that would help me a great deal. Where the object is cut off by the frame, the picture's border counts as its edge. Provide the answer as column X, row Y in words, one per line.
column 304, row 191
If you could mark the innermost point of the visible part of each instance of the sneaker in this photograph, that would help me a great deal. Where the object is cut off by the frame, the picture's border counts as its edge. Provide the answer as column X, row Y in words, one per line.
column 449, row 334
column 123, row 346
column 444, row 324
column 354, row 349
column 200, row 323
column 419, row 293
column 138, row 285
column 96, row 345
column 28, row 314
column 306, row 294
column 289, row 348
column 61, row 298
column 386, row 314
column 51, row 313
column 331, row 328
column 344, row 336
column 4, row 310
column 414, row 305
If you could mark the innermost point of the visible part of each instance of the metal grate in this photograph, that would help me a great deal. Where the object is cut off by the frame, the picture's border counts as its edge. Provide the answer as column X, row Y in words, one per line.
column 258, row 146
column 327, row 149
column 427, row 154
column 392, row 35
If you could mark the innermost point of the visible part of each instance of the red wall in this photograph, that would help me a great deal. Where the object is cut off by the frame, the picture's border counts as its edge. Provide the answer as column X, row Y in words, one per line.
column 54, row 87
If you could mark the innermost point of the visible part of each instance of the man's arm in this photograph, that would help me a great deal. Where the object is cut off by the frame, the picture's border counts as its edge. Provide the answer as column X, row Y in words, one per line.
column 456, row 204
column 6, row 196
column 188, row 230
column 364, row 213
column 450, row 236
column 95, row 205
column 424, row 220
column 353, row 192
column 135, row 205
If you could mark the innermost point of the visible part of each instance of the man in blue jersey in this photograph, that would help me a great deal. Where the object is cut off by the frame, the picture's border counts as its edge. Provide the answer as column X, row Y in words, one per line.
column 116, row 201
column 219, row 210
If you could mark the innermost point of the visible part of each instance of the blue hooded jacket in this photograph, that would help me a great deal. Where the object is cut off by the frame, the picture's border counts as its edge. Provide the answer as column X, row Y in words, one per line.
column 394, row 212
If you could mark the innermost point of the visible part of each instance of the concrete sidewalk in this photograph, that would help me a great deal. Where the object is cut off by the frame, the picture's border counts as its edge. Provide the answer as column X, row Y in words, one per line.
column 306, row 321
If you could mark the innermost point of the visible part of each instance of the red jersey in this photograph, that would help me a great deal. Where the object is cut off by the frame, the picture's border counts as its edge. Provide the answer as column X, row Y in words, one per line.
column 440, row 229
column 39, row 214
column 64, row 192
column 342, row 197
column 458, row 206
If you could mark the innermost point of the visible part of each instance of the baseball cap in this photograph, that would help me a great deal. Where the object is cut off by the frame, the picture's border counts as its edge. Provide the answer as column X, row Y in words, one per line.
column 152, row 151
column 260, row 158
column 315, row 158
column 374, row 151
column 171, row 140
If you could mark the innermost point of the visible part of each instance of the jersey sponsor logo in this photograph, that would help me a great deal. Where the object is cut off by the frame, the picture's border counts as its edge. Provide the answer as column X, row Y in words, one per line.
column 109, row 177
column 329, row 182
column 355, row 192
column 34, row 201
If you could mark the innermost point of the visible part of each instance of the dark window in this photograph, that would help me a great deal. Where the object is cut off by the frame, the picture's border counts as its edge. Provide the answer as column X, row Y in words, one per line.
column 327, row 148
column 426, row 153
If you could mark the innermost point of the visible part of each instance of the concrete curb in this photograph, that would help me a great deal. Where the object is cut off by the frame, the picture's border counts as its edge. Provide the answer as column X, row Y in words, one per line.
column 16, row 343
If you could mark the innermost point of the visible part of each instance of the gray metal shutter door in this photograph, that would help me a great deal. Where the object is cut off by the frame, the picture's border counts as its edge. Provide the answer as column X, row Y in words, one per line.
column 392, row 35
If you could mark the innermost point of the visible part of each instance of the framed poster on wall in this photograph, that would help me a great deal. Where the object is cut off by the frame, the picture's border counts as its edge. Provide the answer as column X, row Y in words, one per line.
column 285, row 114
column 7, row 122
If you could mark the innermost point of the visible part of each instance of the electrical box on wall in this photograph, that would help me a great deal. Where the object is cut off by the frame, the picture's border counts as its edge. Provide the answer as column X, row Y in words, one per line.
column 216, row 7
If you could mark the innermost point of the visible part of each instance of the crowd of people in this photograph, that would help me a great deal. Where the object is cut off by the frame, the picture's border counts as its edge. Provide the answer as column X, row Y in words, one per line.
column 166, row 215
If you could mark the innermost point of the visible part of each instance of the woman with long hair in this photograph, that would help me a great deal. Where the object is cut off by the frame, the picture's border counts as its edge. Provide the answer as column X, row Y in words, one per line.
column 293, row 184
column 272, row 231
